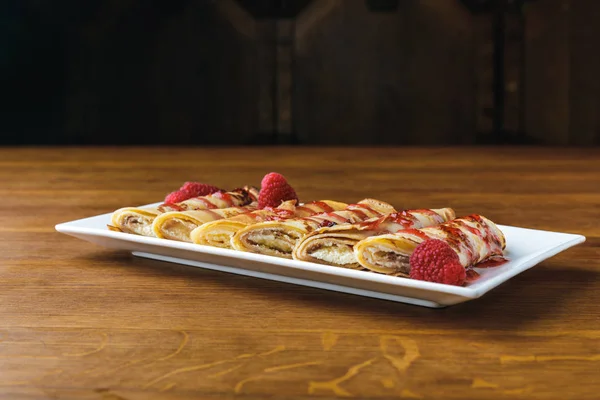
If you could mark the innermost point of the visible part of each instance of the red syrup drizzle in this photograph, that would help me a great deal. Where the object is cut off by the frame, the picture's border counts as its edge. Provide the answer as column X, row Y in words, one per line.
column 493, row 262
column 326, row 224
column 324, row 206
column 405, row 219
column 223, row 196
column 331, row 217
column 420, row 234
column 389, row 222
column 275, row 215
column 472, row 276
column 205, row 202
column 321, row 207
column 361, row 215
column 372, row 225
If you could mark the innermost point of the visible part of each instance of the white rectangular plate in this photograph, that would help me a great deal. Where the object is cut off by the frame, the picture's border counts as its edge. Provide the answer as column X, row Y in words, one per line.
column 525, row 248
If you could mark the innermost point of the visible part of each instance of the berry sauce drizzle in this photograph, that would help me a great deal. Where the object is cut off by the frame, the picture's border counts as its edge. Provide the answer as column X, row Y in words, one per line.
column 492, row 262
column 472, row 276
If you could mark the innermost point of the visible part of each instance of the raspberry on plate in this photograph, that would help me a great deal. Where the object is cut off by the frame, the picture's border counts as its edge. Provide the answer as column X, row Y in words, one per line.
column 176, row 197
column 189, row 190
column 199, row 189
column 275, row 189
column 435, row 261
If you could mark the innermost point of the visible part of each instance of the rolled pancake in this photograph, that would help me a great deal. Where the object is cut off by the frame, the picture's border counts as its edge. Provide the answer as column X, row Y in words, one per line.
column 474, row 238
column 138, row 220
column 219, row 233
column 177, row 225
column 278, row 238
column 335, row 245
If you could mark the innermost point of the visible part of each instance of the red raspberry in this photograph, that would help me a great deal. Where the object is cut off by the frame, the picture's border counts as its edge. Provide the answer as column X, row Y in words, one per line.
column 189, row 190
column 273, row 190
column 199, row 189
column 177, row 197
column 435, row 261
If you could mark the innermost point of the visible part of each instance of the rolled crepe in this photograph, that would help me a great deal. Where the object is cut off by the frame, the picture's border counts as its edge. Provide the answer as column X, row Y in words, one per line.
column 138, row 220
column 335, row 245
column 474, row 238
column 177, row 225
column 219, row 233
column 278, row 238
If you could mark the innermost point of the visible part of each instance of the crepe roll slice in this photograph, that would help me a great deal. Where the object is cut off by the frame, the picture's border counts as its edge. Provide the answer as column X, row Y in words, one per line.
column 178, row 225
column 138, row 220
column 474, row 238
column 219, row 233
column 278, row 238
column 335, row 245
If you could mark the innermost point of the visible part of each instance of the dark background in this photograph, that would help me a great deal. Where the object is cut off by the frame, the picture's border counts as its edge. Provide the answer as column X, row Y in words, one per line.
column 347, row 72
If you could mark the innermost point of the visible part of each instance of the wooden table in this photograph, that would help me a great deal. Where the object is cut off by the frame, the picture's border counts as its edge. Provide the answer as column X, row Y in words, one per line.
column 78, row 321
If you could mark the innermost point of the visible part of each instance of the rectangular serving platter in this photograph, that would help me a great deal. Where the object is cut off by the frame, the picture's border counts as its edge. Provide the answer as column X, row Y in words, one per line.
column 525, row 249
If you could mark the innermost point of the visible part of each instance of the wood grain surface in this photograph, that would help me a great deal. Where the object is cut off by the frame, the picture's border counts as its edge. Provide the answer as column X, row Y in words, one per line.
column 78, row 321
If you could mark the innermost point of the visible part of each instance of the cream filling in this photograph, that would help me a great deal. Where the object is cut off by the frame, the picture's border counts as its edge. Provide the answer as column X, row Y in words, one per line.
column 273, row 241
column 220, row 238
column 138, row 224
column 335, row 254
column 178, row 229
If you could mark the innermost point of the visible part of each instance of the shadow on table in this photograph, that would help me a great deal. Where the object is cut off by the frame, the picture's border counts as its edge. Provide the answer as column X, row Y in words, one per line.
column 526, row 298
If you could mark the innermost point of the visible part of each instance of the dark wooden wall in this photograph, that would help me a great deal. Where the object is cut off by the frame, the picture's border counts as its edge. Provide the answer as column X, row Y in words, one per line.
column 406, row 76
column 351, row 72
column 562, row 71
